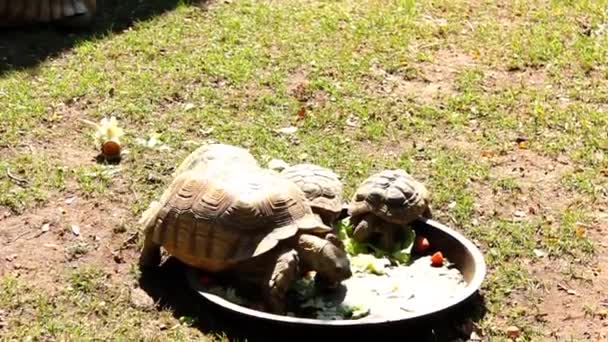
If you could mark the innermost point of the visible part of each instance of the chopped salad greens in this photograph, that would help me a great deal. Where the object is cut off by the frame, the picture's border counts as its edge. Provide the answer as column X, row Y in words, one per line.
column 324, row 309
column 369, row 263
column 355, row 249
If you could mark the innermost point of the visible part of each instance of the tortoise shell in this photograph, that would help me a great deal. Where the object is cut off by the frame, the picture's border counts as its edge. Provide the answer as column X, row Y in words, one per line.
column 211, row 153
column 321, row 186
column 393, row 195
column 69, row 12
column 219, row 156
column 214, row 220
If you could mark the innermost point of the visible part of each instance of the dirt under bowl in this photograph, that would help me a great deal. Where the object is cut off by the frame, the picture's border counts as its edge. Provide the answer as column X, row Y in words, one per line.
column 464, row 255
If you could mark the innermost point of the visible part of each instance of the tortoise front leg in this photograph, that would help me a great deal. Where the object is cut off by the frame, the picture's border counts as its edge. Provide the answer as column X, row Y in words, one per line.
column 365, row 229
column 284, row 273
column 150, row 253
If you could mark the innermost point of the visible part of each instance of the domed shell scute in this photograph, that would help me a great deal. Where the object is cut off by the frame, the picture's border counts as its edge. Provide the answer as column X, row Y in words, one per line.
column 322, row 187
column 223, row 155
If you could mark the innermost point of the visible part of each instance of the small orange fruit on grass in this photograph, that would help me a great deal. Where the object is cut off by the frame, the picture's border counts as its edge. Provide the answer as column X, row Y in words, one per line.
column 110, row 148
column 437, row 259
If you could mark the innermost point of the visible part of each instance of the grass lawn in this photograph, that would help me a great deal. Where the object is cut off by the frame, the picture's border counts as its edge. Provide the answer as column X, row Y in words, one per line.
column 500, row 107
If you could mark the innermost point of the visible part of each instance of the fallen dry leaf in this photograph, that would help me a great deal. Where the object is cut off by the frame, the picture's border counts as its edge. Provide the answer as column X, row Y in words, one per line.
column 75, row 229
column 301, row 113
column 352, row 121
column 287, row 130
column 523, row 145
column 475, row 54
column 519, row 213
column 206, row 132
column 567, row 289
column 45, row 227
column 512, row 331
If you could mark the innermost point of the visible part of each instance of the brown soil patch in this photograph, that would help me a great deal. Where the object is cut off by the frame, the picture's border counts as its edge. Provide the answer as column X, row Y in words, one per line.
column 580, row 313
column 574, row 306
column 539, row 191
column 525, row 79
column 40, row 243
column 297, row 84
column 67, row 232
column 433, row 80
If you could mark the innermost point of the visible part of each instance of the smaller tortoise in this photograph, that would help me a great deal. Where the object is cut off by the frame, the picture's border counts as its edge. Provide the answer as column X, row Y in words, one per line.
column 254, row 226
column 384, row 204
column 322, row 187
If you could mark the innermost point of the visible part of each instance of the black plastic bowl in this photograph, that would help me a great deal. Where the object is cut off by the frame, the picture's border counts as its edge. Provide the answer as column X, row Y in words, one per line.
column 467, row 258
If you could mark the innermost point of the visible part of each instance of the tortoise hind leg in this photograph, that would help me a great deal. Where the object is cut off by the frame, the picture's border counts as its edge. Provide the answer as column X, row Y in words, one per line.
column 284, row 273
column 150, row 253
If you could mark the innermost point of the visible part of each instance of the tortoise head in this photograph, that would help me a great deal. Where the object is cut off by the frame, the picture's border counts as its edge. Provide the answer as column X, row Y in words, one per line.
column 335, row 263
column 326, row 256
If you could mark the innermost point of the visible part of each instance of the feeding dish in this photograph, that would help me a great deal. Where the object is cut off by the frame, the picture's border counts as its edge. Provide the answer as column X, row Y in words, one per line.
column 464, row 257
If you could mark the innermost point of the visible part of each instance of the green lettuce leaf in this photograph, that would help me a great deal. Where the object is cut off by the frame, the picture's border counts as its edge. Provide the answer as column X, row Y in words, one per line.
column 401, row 256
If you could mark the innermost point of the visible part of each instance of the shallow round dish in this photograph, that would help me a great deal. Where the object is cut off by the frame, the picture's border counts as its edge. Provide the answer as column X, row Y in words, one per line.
column 465, row 256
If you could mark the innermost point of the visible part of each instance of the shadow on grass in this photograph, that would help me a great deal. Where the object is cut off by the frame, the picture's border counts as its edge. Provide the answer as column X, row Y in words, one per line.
column 168, row 286
column 26, row 47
